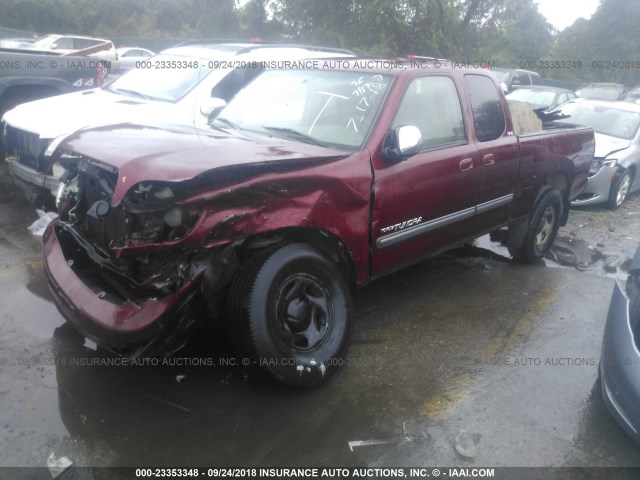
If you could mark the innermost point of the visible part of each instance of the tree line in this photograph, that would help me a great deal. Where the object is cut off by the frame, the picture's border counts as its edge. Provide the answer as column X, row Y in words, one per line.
column 509, row 33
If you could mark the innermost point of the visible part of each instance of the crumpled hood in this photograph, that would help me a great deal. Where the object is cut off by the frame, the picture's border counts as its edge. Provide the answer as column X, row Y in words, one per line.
column 178, row 153
column 62, row 114
column 606, row 145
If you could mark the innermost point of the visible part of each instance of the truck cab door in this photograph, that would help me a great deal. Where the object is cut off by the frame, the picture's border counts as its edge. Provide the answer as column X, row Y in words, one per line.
column 498, row 149
column 425, row 202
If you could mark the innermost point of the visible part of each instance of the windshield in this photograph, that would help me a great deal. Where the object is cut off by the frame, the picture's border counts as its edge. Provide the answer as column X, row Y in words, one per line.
column 326, row 107
column 604, row 120
column 45, row 41
column 543, row 98
column 168, row 78
column 600, row 93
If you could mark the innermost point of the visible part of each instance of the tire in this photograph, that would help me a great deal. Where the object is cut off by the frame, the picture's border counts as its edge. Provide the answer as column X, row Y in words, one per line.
column 290, row 314
column 542, row 227
column 619, row 190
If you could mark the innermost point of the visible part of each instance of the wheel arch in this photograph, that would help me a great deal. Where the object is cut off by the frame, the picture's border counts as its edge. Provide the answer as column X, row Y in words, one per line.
column 326, row 242
column 559, row 180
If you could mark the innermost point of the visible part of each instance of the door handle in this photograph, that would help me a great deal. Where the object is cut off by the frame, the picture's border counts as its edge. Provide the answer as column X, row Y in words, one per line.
column 489, row 159
column 466, row 164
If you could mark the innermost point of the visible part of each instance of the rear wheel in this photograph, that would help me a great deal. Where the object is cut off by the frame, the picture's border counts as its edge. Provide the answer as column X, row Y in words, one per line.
column 542, row 227
column 619, row 190
column 290, row 315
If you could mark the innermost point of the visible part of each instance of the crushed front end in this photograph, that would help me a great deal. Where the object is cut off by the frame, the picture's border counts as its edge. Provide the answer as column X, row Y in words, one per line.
column 118, row 273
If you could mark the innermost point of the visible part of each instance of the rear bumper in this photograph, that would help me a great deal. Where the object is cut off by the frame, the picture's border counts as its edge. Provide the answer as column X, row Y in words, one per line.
column 149, row 328
column 620, row 367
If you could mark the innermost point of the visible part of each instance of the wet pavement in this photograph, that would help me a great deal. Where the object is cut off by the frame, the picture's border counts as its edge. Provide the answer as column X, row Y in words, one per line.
column 466, row 359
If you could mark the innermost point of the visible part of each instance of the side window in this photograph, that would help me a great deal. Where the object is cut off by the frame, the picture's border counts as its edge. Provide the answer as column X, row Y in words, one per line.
column 82, row 43
column 64, row 43
column 522, row 79
column 562, row 98
column 432, row 104
column 488, row 116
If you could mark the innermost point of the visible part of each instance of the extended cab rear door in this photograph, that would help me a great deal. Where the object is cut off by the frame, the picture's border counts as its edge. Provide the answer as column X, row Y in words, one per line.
column 497, row 170
column 427, row 201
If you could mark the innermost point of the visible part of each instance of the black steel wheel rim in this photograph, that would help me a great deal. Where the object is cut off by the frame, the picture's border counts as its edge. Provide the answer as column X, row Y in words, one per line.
column 303, row 312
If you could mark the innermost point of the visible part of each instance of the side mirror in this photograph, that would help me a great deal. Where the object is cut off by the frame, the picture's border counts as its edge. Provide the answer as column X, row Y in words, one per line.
column 401, row 143
column 212, row 106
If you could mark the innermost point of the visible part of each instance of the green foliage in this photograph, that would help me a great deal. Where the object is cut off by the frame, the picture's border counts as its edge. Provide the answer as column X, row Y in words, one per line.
column 510, row 33
column 609, row 38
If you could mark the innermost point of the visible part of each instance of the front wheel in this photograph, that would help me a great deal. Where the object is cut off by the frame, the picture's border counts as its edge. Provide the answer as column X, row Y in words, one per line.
column 542, row 227
column 290, row 314
column 619, row 191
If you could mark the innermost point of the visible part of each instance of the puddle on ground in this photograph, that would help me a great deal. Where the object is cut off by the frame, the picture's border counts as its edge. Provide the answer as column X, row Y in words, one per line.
column 566, row 252
column 577, row 253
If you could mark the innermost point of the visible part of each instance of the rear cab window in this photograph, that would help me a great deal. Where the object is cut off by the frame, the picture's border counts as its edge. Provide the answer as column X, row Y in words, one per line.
column 488, row 115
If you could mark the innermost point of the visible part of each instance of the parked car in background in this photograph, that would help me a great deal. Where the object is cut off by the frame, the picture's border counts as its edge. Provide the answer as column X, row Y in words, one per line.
column 543, row 97
column 620, row 358
column 128, row 57
column 308, row 183
column 614, row 171
column 510, row 78
column 633, row 95
column 161, row 93
column 70, row 44
column 16, row 42
column 602, row 91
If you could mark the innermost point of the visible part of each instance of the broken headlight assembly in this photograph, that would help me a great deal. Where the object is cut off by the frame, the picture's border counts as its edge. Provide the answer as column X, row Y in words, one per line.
column 66, row 169
column 598, row 162
column 153, row 214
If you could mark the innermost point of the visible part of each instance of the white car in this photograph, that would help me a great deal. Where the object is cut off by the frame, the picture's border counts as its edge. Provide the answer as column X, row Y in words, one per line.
column 129, row 57
column 70, row 44
column 181, row 85
column 614, row 170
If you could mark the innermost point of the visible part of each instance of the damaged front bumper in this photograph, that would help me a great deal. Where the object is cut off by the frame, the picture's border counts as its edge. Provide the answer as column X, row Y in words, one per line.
column 598, row 187
column 147, row 327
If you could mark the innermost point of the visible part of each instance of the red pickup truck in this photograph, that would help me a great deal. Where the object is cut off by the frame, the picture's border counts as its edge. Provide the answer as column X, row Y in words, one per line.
column 313, row 180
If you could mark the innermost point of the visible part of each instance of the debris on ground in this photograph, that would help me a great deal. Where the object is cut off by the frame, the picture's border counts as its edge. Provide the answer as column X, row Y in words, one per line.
column 465, row 445
column 44, row 218
column 57, row 465
column 363, row 443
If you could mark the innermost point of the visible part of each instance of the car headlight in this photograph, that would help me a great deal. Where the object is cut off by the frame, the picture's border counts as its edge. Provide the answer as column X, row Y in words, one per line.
column 154, row 214
column 597, row 163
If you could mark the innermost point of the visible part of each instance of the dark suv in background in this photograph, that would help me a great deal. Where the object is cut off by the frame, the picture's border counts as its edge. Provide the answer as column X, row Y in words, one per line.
column 510, row 78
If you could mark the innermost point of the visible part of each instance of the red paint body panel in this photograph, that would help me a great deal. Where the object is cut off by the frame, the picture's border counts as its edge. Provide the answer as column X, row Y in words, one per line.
column 101, row 319
column 385, row 214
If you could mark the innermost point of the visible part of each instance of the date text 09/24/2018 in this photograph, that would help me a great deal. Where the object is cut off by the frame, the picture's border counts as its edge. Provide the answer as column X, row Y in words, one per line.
column 579, row 64
column 378, row 472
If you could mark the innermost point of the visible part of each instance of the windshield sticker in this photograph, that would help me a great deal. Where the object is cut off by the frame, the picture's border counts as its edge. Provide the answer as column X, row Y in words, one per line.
column 366, row 92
